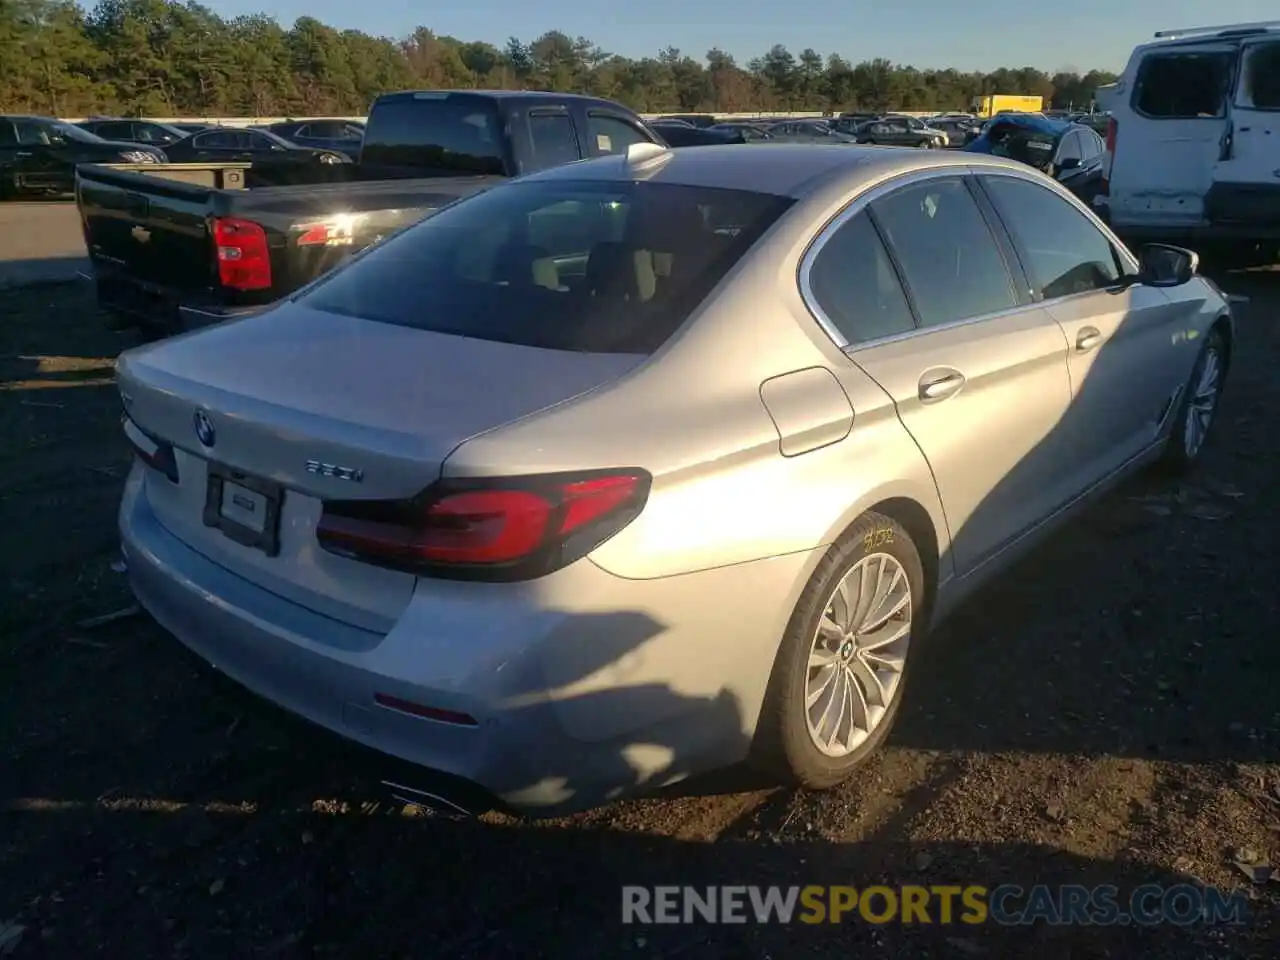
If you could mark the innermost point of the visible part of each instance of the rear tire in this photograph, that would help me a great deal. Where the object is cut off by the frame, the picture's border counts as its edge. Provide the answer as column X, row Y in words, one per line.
column 798, row 738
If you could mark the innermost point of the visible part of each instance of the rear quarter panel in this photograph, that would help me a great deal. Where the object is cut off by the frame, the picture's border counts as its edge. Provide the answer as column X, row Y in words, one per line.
column 723, row 493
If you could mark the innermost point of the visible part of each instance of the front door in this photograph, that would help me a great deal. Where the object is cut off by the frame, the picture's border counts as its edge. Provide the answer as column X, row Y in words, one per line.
column 981, row 380
column 1121, row 336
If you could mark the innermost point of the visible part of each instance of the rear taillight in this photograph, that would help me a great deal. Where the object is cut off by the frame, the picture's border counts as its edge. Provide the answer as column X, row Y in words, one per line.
column 154, row 452
column 509, row 529
column 244, row 259
column 1113, row 127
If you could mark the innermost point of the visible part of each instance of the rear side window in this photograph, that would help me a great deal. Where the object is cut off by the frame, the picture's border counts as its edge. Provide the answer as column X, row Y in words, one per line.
column 564, row 265
column 451, row 134
column 7, row 135
column 947, row 253
column 1183, row 86
column 114, row 131
column 552, row 139
column 856, row 286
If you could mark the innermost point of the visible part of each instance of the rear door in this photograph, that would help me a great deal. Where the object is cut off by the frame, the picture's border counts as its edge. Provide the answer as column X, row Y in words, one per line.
column 977, row 373
column 1171, row 135
column 553, row 139
column 1255, row 114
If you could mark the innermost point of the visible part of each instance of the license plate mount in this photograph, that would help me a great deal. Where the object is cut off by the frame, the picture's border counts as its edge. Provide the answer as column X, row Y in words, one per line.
column 245, row 508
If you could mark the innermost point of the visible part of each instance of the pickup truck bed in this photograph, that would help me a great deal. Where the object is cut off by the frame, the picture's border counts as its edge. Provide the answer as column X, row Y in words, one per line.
column 151, row 240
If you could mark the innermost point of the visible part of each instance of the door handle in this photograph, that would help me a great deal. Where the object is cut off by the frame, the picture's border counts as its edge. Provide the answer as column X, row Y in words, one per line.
column 23, row 153
column 939, row 386
column 1087, row 339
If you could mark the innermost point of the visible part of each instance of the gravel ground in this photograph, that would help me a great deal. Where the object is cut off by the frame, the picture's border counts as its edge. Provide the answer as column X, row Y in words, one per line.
column 1106, row 714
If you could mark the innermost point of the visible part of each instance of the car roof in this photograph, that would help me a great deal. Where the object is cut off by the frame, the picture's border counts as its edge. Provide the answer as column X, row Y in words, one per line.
column 527, row 95
column 782, row 169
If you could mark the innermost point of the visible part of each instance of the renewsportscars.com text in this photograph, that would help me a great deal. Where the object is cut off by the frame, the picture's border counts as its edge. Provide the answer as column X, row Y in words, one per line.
column 1006, row 905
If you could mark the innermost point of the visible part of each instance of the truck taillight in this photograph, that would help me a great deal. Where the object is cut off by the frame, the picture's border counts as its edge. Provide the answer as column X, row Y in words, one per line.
column 1112, row 129
column 493, row 529
column 244, row 259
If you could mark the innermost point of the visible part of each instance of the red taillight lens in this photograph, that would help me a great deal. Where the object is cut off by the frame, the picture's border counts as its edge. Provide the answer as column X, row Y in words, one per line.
column 155, row 453
column 1112, row 129
column 244, row 259
column 513, row 529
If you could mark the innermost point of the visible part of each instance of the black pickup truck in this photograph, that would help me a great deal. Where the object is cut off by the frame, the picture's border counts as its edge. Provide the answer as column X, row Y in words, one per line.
column 182, row 246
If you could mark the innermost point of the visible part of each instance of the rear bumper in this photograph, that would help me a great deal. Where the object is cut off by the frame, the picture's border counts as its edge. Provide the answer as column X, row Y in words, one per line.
column 584, row 687
column 1241, row 212
column 134, row 302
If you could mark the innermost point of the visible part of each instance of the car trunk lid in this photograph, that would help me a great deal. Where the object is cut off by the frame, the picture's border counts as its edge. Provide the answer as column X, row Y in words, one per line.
column 315, row 406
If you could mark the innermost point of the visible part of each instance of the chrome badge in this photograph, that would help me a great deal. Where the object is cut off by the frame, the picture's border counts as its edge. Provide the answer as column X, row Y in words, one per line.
column 204, row 428
column 353, row 474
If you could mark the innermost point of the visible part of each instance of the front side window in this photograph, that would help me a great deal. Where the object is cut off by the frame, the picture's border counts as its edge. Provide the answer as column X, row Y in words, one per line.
column 854, row 283
column 1069, row 149
column 948, row 255
column 1183, row 86
column 611, row 135
column 221, row 140
column 32, row 134
column 1063, row 251
column 564, row 265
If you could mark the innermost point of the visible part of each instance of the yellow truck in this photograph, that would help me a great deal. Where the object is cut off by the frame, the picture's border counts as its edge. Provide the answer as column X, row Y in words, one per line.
column 989, row 106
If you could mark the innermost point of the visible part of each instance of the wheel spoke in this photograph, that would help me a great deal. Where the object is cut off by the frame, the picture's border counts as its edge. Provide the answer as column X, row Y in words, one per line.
column 831, row 630
column 887, row 633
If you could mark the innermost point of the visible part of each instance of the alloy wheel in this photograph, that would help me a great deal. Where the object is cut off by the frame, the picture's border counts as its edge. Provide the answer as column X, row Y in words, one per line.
column 857, row 655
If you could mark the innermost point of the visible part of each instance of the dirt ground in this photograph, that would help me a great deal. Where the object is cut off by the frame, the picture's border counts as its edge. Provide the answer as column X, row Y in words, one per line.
column 1107, row 714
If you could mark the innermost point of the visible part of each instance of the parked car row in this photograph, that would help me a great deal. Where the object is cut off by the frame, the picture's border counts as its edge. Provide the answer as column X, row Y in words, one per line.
column 39, row 155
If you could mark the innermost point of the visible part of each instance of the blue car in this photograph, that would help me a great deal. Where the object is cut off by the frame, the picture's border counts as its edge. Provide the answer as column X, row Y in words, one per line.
column 1072, row 153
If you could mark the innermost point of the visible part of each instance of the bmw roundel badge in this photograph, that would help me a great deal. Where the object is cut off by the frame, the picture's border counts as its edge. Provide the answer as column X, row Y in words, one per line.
column 204, row 428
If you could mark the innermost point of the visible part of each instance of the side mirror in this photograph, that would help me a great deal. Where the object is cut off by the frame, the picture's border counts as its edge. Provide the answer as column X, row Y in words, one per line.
column 1069, row 163
column 1164, row 265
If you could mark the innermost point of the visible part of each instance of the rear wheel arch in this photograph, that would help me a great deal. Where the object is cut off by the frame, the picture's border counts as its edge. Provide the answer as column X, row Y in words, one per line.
column 916, row 521
column 1224, row 326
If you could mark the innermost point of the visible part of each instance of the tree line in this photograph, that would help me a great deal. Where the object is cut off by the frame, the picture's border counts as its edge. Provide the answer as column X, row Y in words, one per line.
column 165, row 58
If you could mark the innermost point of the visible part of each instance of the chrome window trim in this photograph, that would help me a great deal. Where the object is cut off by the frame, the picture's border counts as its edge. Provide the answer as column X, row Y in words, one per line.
column 858, row 205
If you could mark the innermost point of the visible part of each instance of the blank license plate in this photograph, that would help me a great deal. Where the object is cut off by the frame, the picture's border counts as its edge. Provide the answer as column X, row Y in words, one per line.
column 244, row 506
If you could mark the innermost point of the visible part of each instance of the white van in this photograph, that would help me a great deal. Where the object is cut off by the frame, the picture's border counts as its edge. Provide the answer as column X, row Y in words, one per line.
column 1194, row 139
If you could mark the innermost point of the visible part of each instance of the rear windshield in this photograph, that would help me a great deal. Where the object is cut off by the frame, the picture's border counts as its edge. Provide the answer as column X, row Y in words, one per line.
column 593, row 267
column 1184, row 85
column 448, row 134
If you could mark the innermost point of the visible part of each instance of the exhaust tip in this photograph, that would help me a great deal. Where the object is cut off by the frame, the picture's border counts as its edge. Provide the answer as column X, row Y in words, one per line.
column 428, row 800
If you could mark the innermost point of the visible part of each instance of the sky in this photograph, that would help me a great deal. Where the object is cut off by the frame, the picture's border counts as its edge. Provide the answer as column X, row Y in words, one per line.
column 967, row 34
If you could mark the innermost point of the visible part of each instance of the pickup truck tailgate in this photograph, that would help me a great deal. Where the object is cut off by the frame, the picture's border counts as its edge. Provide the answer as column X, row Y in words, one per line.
column 153, row 229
